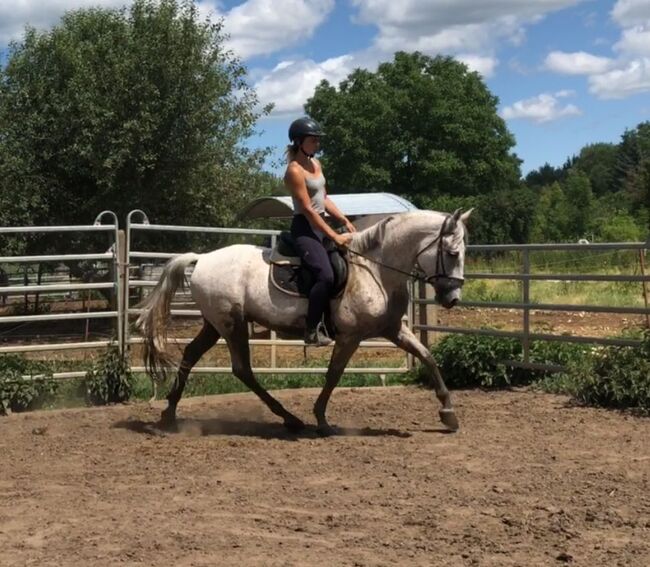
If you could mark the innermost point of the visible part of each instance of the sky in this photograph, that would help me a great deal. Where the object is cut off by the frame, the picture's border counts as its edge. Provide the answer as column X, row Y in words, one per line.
column 567, row 73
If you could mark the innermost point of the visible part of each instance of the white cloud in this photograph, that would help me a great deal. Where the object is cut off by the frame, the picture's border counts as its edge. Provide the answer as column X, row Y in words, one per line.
column 259, row 27
column 634, row 41
column 542, row 108
column 458, row 25
column 578, row 63
column 631, row 12
column 466, row 29
column 14, row 16
column 627, row 73
column 632, row 79
column 256, row 27
column 291, row 83
column 482, row 65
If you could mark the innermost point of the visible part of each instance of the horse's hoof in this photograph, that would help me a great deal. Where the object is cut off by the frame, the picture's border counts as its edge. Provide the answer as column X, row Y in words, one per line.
column 167, row 419
column 325, row 430
column 449, row 419
column 294, row 424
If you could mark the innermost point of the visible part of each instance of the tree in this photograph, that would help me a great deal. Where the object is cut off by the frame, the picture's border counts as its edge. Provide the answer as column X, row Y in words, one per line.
column 123, row 109
column 598, row 162
column 633, row 149
column 420, row 127
column 579, row 197
column 501, row 217
column 552, row 220
column 544, row 176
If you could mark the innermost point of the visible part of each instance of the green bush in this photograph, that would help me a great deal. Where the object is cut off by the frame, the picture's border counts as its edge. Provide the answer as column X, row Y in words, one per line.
column 475, row 360
column 110, row 380
column 24, row 384
column 616, row 377
column 479, row 361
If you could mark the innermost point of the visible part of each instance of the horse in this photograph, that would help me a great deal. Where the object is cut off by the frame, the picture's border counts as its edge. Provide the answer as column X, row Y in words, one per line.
column 231, row 288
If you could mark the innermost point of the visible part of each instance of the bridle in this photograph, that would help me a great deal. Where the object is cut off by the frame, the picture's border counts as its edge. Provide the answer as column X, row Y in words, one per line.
column 440, row 277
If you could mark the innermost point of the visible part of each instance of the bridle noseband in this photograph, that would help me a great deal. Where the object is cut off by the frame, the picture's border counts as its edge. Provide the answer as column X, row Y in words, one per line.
column 440, row 275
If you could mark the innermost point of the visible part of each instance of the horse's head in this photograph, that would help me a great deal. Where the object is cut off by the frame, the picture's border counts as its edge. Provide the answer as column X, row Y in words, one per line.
column 443, row 259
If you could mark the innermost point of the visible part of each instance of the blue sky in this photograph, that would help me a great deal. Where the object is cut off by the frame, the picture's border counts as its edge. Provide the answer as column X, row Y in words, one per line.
column 567, row 72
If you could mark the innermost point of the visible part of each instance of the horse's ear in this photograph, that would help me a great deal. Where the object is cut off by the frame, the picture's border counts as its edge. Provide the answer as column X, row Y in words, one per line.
column 450, row 223
column 466, row 215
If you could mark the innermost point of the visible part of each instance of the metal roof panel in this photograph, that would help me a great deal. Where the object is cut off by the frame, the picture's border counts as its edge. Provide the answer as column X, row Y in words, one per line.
column 350, row 204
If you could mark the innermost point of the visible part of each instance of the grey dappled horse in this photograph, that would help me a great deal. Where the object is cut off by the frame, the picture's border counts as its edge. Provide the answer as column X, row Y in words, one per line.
column 231, row 288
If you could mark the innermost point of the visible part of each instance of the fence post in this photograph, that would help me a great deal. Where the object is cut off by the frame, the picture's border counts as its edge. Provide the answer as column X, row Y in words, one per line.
column 525, row 341
column 273, row 336
column 422, row 314
column 645, row 286
column 122, row 290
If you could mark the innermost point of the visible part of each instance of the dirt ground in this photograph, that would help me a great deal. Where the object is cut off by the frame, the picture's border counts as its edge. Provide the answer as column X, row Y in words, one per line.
column 528, row 481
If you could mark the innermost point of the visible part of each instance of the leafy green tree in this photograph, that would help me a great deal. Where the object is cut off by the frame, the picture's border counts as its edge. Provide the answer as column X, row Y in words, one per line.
column 544, row 176
column 620, row 227
column 120, row 109
column 552, row 219
column 501, row 217
column 598, row 162
column 633, row 149
column 420, row 127
column 577, row 190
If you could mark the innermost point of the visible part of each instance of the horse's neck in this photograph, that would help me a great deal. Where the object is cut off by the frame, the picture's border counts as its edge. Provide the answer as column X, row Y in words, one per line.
column 399, row 241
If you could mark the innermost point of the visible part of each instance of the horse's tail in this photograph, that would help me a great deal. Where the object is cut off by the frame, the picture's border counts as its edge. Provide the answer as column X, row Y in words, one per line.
column 154, row 317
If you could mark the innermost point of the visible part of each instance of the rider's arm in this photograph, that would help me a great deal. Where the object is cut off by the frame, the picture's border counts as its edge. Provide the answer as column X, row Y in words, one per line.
column 295, row 182
column 334, row 211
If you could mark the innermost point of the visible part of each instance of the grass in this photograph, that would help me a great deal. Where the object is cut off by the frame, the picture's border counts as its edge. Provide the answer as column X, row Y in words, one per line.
column 71, row 392
column 616, row 294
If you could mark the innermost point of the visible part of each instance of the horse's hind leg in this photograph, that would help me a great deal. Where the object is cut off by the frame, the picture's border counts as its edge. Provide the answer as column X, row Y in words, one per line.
column 205, row 340
column 406, row 340
column 241, row 367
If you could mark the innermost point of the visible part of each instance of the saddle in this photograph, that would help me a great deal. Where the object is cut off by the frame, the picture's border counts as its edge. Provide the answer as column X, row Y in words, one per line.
column 289, row 275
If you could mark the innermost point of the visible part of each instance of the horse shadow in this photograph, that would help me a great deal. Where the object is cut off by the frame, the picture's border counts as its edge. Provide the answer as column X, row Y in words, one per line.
column 202, row 427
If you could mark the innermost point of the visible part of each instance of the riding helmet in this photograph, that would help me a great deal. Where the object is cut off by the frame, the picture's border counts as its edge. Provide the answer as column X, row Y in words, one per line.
column 303, row 127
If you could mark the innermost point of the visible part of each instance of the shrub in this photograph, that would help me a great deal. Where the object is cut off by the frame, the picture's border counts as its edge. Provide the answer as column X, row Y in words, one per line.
column 479, row 361
column 110, row 380
column 616, row 377
column 475, row 360
column 23, row 383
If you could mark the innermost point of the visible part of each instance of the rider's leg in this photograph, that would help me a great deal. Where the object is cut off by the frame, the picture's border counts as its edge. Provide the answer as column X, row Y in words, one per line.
column 315, row 257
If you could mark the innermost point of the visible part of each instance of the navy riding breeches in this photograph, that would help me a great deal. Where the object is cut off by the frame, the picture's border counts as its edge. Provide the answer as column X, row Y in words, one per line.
column 315, row 257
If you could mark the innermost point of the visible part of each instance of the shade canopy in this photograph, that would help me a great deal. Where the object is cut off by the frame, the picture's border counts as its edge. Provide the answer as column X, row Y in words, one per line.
column 351, row 205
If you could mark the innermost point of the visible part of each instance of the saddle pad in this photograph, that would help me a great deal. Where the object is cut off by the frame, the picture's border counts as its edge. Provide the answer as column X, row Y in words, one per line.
column 278, row 258
column 287, row 278
column 296, row 280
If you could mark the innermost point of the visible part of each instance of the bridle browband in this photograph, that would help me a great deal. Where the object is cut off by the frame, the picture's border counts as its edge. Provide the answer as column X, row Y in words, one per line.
column 441, row 271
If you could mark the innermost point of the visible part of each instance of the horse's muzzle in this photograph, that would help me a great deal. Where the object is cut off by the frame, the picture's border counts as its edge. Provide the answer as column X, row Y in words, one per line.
column 448, row 298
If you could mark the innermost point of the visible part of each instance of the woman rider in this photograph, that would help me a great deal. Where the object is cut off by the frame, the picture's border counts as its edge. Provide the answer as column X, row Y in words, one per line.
column 305, row 180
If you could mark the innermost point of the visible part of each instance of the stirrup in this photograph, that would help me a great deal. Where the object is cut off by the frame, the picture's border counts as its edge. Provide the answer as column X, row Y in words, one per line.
column 317, row 336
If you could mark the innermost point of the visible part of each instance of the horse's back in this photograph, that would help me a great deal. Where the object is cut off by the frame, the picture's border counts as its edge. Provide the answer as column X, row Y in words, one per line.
column 228, row 271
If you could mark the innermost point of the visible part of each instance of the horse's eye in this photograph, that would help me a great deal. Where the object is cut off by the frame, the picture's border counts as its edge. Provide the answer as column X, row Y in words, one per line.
column 453, row 253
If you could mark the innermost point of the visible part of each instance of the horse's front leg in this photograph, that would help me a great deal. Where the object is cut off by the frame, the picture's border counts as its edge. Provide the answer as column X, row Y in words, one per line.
column 343, row 351
column 406, row 340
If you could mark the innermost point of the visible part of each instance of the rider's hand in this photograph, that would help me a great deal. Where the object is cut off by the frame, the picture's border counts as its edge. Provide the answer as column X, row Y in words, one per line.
column 349, row 226
column 342, row 240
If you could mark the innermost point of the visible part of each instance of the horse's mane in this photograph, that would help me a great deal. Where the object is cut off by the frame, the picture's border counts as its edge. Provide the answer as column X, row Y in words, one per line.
column 374, row 236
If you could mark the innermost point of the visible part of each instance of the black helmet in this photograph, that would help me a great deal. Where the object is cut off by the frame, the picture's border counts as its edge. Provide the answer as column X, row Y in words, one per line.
column 304, row 127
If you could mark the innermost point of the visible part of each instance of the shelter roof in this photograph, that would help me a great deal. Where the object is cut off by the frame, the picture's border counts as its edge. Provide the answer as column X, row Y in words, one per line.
column 350, row 204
